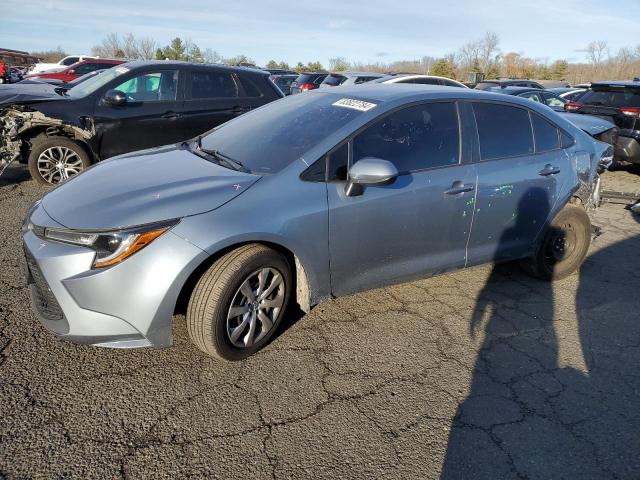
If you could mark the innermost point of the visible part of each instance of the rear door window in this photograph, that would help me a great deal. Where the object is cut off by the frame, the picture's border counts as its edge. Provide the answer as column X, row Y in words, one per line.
column 503, row 131
column 414, row 138
column 210, row 84
column 545, row 134
column 250, row 88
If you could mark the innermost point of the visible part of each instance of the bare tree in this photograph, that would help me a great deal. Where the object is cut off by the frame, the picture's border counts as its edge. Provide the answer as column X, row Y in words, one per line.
column 129, row 46
column 146, row 48
column 596, row 52
column 211, row 56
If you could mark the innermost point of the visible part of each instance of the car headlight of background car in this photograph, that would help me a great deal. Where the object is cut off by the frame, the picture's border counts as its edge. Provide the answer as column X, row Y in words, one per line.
column 112, row 246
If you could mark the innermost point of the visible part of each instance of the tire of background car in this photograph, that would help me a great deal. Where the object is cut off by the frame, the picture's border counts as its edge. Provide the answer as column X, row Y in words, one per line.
column 233, row 311
column 49, row 154
column 563, row 247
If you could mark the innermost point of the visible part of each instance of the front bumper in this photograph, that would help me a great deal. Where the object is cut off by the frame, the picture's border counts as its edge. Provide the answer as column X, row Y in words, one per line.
column 130, row 304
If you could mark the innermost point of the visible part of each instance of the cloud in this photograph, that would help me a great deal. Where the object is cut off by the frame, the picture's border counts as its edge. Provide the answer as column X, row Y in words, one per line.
column 338, row 23
column 382, row 54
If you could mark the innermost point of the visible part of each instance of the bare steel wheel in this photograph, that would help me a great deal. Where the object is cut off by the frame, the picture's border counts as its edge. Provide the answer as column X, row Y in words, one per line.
column 55, row 159
column 563, row 247
column 255, row 307
column 238, row 303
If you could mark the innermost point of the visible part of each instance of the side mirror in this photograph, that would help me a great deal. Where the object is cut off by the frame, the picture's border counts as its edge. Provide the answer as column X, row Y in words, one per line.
column 114, row 98
column 369, row 171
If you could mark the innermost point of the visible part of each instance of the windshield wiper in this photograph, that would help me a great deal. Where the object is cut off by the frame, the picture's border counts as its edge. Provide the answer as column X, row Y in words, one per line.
column 220, row 158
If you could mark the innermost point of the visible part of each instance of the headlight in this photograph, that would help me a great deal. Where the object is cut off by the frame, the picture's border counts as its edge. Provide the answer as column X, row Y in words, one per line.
column 111, row 247
column 26, row 224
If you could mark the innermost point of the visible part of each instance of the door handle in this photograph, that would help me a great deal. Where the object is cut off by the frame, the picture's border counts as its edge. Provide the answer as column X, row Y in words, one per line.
column 171, row 115
column 237, row 110
column 549, row 170
column 459, row 187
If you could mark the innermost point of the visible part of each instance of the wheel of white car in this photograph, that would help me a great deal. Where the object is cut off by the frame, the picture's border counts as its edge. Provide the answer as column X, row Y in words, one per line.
column 55, row 159
column 563, row 247
column 239, row 302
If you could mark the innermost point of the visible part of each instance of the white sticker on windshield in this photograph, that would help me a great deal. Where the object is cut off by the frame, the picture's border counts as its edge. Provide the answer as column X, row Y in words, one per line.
column 122, row 70
column 355, row 104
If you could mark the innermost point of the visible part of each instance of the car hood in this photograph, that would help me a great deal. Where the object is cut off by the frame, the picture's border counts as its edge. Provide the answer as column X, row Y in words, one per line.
column 144, row 187
column 589, row 123
column 28, row 93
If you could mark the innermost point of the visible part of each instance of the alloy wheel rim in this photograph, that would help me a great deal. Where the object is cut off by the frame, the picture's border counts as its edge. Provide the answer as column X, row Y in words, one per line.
column 255, row 307
column 57, row 164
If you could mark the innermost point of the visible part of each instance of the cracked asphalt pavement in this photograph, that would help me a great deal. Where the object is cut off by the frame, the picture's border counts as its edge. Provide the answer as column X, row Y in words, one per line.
column 482, row 373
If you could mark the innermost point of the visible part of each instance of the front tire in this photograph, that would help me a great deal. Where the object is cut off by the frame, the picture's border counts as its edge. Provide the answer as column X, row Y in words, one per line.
column 239, row 302
column 53, row 160
column 563, row 247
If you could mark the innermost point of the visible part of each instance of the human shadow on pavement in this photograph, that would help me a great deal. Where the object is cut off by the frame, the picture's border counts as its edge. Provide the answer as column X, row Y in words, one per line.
column 528, row 417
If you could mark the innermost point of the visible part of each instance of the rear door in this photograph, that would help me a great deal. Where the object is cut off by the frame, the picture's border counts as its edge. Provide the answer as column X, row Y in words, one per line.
column 212, row 97
column 415, row 226
column 521, row 174
column 149, row 118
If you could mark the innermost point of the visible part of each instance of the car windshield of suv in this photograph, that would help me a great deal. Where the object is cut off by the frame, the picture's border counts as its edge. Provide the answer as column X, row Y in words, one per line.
column 612, row 97
column 268, row 139
column 94, row 83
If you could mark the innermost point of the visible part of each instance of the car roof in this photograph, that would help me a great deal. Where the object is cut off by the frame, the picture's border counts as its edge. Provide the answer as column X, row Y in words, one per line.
column 616, row 83
column 513, row 90
column 353, row 73
column 180, row 63
column 403, row 92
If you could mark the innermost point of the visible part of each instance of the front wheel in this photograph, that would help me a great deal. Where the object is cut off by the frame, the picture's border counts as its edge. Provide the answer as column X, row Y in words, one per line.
column 563, row 247
column 53, row 160
column 239, row 302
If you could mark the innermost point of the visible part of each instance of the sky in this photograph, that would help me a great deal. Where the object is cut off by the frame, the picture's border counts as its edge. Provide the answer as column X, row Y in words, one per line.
column 375, row 30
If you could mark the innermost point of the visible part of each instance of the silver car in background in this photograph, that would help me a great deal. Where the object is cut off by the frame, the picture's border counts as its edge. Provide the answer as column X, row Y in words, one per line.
column 307, row 198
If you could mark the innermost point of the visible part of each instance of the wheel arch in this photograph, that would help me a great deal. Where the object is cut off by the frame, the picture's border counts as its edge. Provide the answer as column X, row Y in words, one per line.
column 302, row 287
column 32, row 135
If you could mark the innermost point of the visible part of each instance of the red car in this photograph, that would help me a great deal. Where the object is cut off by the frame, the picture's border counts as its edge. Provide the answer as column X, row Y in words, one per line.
column 78, row 69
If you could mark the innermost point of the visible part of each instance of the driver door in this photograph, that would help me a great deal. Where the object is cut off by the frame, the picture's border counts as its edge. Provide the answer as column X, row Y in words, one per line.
column 415, row 226
column 149, row 118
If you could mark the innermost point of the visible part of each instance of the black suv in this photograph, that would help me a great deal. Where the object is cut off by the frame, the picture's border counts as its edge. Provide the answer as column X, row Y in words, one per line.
column 618, row 101
column 137, row 105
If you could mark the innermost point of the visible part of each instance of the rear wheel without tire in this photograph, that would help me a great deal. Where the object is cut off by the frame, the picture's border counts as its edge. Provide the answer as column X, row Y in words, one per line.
column 563, row 247
column 238, row 303
column 55, row 159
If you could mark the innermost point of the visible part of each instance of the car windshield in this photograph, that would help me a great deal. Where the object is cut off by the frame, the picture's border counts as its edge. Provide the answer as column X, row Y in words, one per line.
column 612, row 97
column 89, row 86
column 268, row 139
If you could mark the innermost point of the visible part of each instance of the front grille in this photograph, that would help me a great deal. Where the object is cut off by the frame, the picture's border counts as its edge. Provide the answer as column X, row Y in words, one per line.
column 43, row 299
